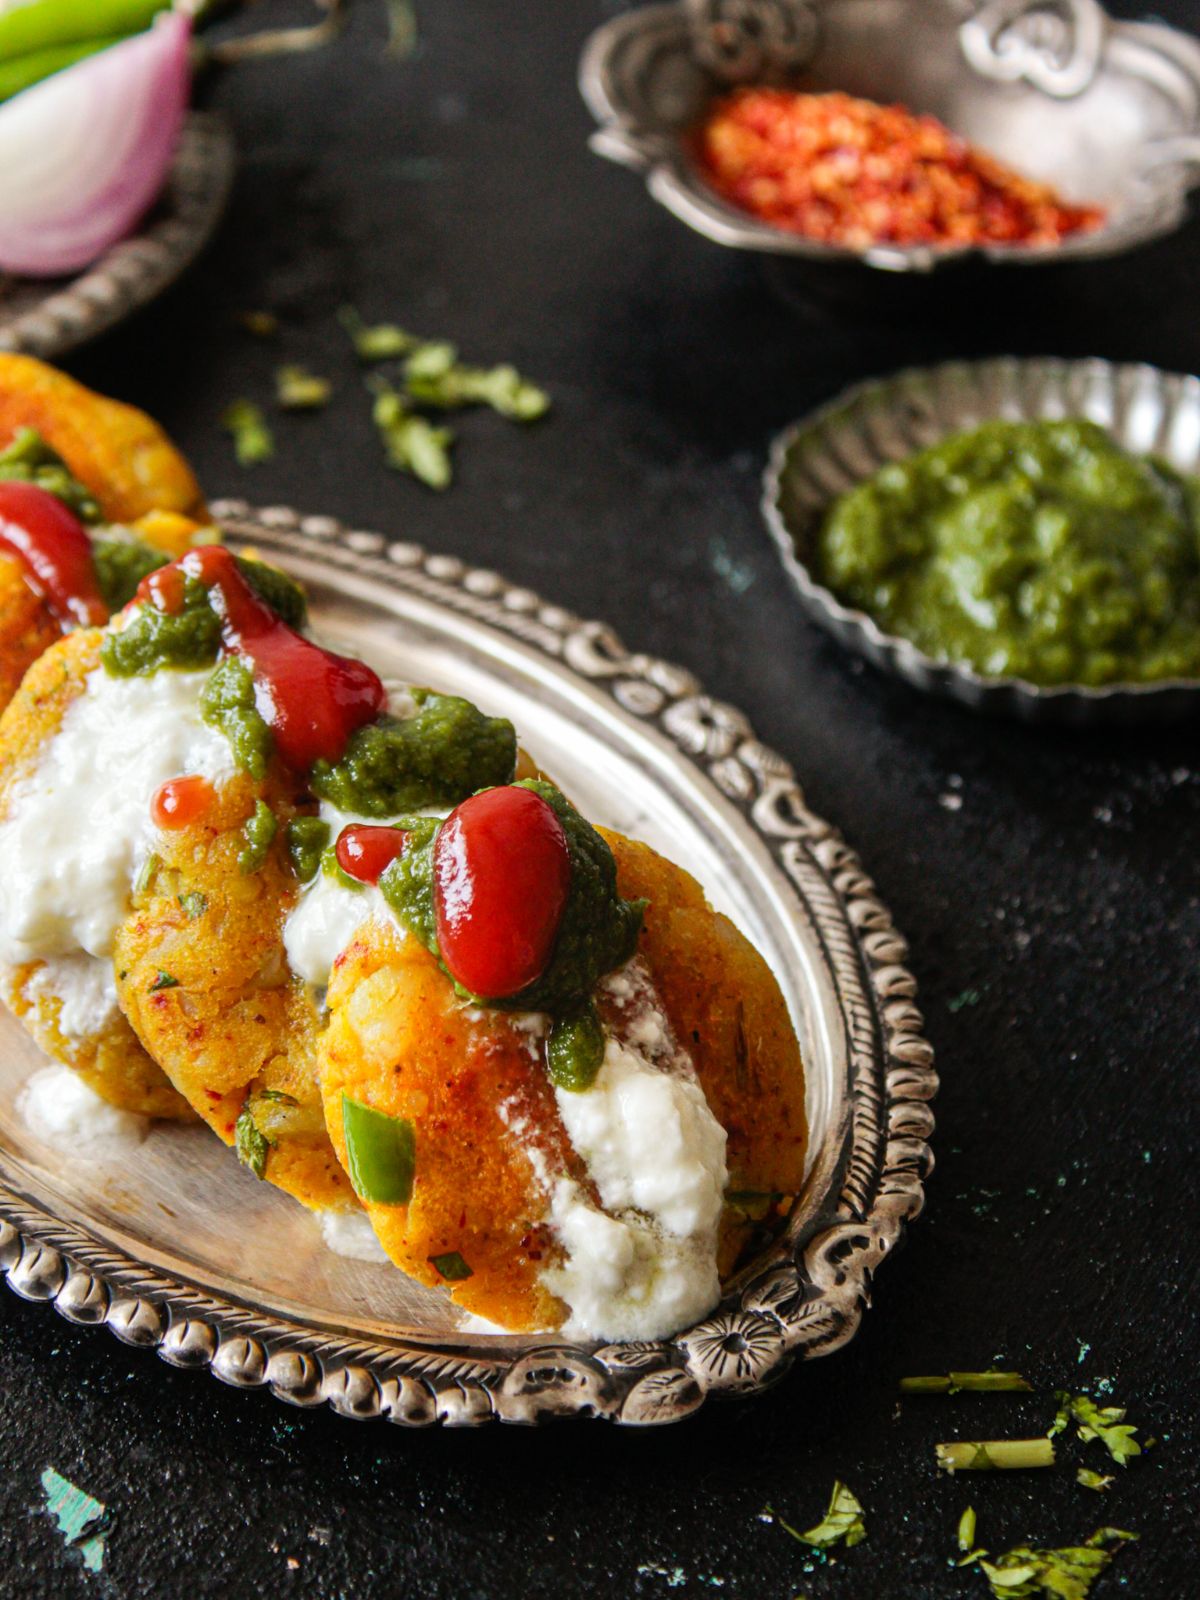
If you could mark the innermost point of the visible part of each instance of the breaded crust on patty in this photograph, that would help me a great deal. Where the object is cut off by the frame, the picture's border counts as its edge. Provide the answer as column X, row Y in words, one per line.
column 400, row 1042
column 112, row 1061
column 229, row 1024
column 121, row 455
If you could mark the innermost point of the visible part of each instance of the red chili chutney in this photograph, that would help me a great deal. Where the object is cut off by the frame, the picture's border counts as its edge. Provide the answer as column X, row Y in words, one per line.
column 850, row 172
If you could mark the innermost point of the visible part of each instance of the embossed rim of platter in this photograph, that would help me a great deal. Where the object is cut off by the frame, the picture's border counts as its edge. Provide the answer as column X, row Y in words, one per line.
column 776, row 38
column 885, row 419
column 802, row 1298
column 133, row 272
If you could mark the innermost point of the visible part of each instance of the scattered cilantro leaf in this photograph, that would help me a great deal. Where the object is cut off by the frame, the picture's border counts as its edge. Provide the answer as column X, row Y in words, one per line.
column 382, row 342
column 412, row 443
column 1064, row 1574
column 164, row 980
column 1087, row 1479
column 842, row 1523
column 252, row 439
column 1106, row 1423
column 433, row 377
column 193, row 905
column 298, row 389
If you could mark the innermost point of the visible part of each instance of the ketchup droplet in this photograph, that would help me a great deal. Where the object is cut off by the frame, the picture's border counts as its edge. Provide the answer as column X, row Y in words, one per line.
column 49, row 541
column 501, row 875
column 312, row 699
column 365, row 852
column 179, row 802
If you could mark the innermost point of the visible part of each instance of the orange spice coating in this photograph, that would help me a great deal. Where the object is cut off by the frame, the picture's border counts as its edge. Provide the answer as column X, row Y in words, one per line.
column 849, row 172
column 233, row 1022
column 116, row 451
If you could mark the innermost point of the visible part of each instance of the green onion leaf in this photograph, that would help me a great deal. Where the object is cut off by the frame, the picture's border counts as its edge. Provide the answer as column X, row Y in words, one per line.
column 383, row 342
column 412, row 443
column 146, row 874
column 1064, row 1574
column 193, row 905
column 1087, row 1479
column 1106, row 1423
column 380, row 1154
column 451, row 1266
column 989, row 1382
column 966, row 1529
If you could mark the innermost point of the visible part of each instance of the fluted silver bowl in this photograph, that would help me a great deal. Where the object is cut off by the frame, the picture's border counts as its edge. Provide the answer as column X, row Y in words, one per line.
column 1108, row 112
column 847, row 441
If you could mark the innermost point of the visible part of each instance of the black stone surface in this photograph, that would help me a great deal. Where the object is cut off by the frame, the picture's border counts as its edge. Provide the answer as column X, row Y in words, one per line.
column 1053, row 914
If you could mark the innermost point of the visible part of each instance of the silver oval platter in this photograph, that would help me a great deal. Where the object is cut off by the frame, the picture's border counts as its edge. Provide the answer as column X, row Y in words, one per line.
column 46, row 317
column 179, row 1250
column 847, row 441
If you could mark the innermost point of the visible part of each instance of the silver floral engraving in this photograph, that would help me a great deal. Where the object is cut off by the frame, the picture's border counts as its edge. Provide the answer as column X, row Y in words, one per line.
column 753, row 41
column 803, row 1297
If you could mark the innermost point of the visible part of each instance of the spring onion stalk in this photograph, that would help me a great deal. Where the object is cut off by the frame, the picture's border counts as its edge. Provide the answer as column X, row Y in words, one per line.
column 994, row 1455
column 974, row 1382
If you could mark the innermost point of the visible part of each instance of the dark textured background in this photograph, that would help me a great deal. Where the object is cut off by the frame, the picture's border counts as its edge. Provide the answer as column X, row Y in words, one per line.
column 1053, row 916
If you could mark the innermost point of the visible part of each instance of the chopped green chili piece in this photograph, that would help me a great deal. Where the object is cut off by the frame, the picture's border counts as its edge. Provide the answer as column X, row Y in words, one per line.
column 250, row 1142
column 307, row 840
column 412, row 443
column 297, row 389
column 451, row 1266
column 193, row 905
column 259, row 833
column 575, row 1050
column 252, row 439
column 380, row 1154
column 994, row 1455
column 164, row 980
column 990, row 1382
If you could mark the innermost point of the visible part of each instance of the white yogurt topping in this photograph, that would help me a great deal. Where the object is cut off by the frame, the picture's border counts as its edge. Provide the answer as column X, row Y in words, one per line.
column 60, row 1109
column 644, row 1263
column 86, row 990
column 349, row 1233
column 328, row 914
column 79, row 828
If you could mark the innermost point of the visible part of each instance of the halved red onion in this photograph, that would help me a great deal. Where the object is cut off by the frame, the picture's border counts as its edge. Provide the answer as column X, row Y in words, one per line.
column 85, row 153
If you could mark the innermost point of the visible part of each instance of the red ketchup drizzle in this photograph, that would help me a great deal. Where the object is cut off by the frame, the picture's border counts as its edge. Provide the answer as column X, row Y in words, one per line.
column 501, row 875
column 49, row 541
column 180, row 802
column 365, row 852
column 312, row 699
